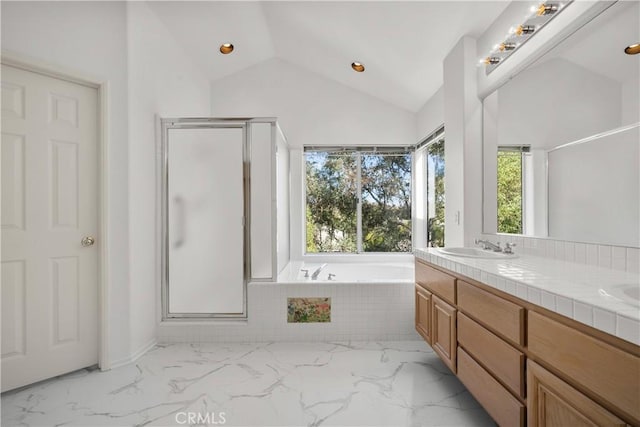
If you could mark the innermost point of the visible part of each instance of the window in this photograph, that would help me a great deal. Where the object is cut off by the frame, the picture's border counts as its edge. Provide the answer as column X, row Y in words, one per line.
column 435, row 193
column 358, row 200
column 511, row 198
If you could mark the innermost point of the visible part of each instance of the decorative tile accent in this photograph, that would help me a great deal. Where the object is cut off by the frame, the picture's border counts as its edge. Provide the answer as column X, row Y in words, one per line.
column 308, row 310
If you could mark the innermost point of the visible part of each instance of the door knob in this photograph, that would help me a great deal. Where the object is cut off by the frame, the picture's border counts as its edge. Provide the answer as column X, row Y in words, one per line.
column 88, row 241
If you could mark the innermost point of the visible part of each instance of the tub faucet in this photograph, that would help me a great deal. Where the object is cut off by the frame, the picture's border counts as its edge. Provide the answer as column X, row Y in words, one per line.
column 315, row 274
column 489, row 245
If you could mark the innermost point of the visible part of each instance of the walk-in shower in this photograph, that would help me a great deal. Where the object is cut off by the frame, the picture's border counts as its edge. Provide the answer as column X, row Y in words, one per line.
column 207, row 195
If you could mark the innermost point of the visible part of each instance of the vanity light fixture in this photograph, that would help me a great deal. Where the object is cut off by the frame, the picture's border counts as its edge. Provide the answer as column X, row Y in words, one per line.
column 491, row 60
column 547, row 9
column 538, row 15
column 226, row 48
column 358, row 67
column 524, row 30
column 632, row 49
column 506, row 46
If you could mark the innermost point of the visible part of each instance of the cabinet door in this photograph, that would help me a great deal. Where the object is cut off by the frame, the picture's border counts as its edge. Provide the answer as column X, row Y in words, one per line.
column 443, row 331
column 423, row 313
column 552, row 402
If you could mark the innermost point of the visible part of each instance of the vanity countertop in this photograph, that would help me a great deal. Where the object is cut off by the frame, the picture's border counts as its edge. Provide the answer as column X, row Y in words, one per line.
column 588, row 294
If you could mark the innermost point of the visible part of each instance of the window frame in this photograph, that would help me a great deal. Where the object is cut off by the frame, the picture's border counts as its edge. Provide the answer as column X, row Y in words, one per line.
column 525, row 153
column 358, row 151
column 423, row 147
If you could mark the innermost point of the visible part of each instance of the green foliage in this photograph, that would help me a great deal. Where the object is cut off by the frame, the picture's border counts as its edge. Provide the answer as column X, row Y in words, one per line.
column 435, row 223
column 386, row 203
column 332, row 202
column 510, row 192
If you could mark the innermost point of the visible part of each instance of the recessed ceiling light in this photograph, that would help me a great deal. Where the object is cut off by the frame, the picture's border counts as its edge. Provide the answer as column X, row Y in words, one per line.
column 633, row 49
column 226, row 48
column 357, row 67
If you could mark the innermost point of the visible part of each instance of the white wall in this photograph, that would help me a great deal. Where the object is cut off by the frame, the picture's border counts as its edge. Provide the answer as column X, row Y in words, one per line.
column 311, row 109
column 630, row 101
column 556, row 102
column 262, row 200
column 431, row 116
column 283, row 209
column 89, row 38
column 162, row 80
column 463, row 146
column 593, row 196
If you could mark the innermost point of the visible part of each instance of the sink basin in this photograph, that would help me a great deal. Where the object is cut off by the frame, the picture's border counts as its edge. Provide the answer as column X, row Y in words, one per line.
column 627, row 292
column 475, row 253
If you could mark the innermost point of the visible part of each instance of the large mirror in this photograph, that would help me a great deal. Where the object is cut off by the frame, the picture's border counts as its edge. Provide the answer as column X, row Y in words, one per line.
column 561, row 142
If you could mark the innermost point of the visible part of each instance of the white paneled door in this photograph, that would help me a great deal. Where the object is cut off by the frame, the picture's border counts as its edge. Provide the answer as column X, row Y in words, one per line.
column 49, row 227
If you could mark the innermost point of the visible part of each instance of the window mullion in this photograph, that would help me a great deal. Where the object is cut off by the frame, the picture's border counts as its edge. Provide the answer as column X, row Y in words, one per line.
column 359, row 203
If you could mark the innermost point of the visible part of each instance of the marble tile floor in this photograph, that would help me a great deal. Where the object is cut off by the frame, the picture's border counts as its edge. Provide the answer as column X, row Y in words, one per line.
column 262, row 384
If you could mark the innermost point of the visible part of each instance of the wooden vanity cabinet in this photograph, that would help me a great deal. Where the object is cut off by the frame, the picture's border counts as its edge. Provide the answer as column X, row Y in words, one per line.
column 493, row 341
column 505, row 409
column 436, row 282
column 601, row 369
column 551, row 402
column 443, row 331
column 423, row 313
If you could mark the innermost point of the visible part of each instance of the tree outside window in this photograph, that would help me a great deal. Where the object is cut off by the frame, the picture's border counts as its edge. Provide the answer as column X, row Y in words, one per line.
column 358, row 201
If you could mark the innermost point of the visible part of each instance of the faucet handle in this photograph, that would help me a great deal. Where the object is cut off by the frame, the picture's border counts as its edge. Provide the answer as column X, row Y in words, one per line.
column 331, row 276
column 306, row 272
column 508, row 249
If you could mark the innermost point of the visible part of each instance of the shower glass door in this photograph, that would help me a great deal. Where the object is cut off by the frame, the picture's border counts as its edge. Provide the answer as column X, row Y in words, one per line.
column 204, row 218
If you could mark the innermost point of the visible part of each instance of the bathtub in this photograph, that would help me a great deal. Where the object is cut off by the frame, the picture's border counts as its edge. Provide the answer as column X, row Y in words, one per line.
column 349, row 272
column 371, row 300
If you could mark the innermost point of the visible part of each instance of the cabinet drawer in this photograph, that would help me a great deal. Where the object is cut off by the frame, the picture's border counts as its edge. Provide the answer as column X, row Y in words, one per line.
column 553, row 403
column 505, row 409
column 436, row 281
column 505, row 362
column 499, row 315
column 608, row 372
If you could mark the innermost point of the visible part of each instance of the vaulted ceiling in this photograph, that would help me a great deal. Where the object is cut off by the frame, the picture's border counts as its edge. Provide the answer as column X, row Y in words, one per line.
column 402, row 44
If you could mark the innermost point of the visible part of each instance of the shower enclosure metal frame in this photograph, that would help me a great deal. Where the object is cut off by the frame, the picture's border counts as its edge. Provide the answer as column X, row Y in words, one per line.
column 166, row 124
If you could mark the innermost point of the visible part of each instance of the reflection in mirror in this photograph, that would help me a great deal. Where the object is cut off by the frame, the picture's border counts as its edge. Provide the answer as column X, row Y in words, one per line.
column 583, row 87
column 512, row 161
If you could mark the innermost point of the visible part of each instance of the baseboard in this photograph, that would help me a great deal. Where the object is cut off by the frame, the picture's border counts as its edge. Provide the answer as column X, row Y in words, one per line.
column 134, row 356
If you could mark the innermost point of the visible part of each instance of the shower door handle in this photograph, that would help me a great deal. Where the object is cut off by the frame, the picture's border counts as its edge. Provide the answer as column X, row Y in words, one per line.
column 180, row 224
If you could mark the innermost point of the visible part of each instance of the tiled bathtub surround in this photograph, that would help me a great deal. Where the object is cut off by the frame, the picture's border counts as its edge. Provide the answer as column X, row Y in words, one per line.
column 614, row 257
column 577, row 291
column 359, row 311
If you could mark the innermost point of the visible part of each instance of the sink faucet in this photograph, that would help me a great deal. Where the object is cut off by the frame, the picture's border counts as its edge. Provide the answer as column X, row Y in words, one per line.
column 509, row 248
column 489, row 245
column 315, row 274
